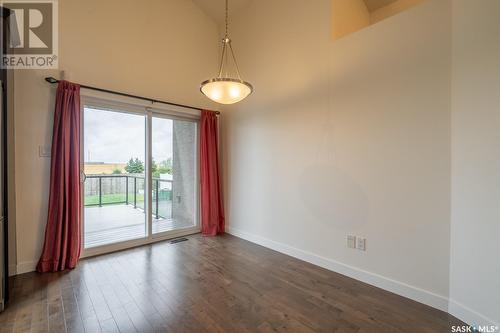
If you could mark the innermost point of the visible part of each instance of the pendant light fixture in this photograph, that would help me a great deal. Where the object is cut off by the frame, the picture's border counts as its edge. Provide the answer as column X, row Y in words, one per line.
column 225, row 89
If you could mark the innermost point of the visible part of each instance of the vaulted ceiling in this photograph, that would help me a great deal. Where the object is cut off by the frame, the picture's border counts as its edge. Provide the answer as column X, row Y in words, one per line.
column 373, row 5
column 216, row 8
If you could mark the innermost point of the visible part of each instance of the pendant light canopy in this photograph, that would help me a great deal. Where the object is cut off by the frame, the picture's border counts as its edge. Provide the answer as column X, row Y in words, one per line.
column 225, row 89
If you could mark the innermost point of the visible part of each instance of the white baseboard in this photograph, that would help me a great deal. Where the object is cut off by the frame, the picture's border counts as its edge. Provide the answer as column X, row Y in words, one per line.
column 468, row 315
column 26, row 267
column 397, row 287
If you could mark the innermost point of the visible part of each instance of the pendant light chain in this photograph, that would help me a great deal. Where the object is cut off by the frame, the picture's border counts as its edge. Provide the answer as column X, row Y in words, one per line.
column 223, row 62
column 228, row 41
column 226, row 89
column 227, row 17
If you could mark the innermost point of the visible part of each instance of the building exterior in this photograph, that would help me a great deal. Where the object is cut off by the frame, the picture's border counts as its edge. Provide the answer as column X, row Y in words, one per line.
column 99, row 168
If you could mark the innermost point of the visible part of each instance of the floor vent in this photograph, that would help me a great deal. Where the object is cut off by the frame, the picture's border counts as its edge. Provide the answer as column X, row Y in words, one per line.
column 178, row 240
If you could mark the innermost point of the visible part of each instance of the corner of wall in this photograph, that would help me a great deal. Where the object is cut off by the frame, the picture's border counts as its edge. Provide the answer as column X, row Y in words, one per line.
column 348, row 16
column 468, row 315
column 392, row 9
column 11, row 179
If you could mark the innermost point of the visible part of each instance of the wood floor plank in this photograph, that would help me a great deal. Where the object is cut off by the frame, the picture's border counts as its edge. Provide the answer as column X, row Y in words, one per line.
column 208, row 284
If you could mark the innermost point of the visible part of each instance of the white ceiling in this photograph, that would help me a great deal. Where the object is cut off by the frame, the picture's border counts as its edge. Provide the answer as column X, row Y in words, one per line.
column 376, row 4
column 216, row 8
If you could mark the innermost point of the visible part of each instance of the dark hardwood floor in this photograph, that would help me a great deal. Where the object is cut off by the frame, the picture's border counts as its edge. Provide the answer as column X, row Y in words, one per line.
column 220, row 284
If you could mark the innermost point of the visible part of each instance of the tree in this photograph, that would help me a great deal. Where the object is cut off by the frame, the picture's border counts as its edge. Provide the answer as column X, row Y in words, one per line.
column 154, row 169
column 166, row 166
column 134, row 166
column 117, row 172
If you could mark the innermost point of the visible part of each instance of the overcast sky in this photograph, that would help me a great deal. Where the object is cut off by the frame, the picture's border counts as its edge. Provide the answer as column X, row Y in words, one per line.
column 114, row 137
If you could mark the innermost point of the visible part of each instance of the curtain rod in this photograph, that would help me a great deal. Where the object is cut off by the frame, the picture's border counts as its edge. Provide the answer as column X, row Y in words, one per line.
column 53, row 80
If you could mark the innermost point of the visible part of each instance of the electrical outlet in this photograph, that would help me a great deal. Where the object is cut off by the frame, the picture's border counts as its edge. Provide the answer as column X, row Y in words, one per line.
column 361, row 243
column 351, row 241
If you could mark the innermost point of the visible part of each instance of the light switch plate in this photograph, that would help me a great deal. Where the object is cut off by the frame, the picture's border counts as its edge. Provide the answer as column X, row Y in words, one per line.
column 361, row 243
column 351, row 241
column 44, row 151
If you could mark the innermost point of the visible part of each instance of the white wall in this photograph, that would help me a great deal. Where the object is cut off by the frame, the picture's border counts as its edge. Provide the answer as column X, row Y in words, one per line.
column 475, row 218
column 359, row 138
column 345, row 137
column 161, row 49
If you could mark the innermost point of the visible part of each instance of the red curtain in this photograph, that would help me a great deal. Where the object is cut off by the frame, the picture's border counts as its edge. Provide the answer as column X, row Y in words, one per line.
column 61, row 248
column 212, row 208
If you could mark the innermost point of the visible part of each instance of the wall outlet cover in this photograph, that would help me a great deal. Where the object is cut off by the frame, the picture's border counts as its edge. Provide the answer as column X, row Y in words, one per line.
column 361, row 243
column 351, row 241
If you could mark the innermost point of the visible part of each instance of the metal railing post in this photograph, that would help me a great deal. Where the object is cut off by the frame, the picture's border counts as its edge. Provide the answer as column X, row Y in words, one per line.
column 126, row 190
column 100, row 192
column 157, row 198
column 135, row 192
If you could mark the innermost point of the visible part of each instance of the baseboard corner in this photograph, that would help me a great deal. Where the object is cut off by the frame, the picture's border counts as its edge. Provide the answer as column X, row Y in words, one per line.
column 469, row 316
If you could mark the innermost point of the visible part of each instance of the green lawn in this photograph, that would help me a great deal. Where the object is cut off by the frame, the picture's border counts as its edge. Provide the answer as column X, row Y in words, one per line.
column 108, row 199
column 92, row 200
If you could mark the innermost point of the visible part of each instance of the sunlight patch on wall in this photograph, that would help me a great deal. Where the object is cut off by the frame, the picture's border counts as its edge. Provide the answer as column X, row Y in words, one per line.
column 349, row 16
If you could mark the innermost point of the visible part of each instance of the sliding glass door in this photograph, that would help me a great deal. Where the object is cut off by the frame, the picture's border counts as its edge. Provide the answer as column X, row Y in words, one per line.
column 140, row 176
column 114, row 154
column 174, row 174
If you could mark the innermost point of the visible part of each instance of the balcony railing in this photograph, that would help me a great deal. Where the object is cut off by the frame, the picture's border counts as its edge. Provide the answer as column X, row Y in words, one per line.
column 103, row 190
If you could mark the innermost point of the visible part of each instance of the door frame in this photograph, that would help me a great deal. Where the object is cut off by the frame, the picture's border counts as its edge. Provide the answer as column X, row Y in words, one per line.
column 160, row 114
column 130, row 105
